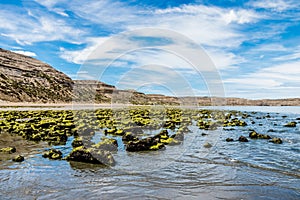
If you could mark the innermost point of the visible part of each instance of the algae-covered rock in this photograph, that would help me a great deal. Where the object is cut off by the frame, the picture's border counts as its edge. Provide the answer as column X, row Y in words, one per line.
column 276, row 141
column 158, row 146
column 108, row 144
column 291, row 124
column 18, row 158
column 229, row 140
column 146, row 144
column 8, row 150
column 162, row 134
column 53, row 154
column 255, row 135
column 77, row 142
column 207, row 145
column 91, row 155
column 183, row 129
column 243, row 139
column 129, row 137
column 170, row 141
column 110, row 131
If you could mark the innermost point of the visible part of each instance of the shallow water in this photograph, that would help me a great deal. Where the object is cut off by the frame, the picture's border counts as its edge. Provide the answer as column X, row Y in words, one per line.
column 254, row 170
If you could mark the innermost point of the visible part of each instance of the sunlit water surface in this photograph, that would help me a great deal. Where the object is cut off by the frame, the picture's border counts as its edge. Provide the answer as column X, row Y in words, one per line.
column 254, row 170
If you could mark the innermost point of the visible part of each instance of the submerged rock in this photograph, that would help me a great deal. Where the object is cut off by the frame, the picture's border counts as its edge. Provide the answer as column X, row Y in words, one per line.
column 179, row 136
column 207, row 145
column 170, row 141
column 53, row 154
column 129, row 137
column 91, row 155
column 146, row 144
column 229, row 140
column 162, row 135
column 243, row 139
column 255, row 135
column 158, row 146
column 276, row 141
column 108, row 144
column 291, row 124
column 77, row 142
column 18, row 158
column 8, row 150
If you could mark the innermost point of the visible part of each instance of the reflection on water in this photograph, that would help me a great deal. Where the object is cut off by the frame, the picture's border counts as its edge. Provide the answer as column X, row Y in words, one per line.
column 254, row 170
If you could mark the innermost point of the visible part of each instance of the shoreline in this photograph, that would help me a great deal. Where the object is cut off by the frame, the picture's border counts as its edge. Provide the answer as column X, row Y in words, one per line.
column 5, row 106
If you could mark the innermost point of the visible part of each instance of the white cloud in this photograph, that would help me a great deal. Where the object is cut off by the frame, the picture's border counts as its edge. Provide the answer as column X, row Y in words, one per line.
column 225, row 59
column 212, row 26
column 51, row 6
column 26, row 53
column 36, row 26
column 239, row 16
column 150, row 75
column 290, row 54
column 209, row 26
column 271, row 47
column 277, row 5
column 272, row 82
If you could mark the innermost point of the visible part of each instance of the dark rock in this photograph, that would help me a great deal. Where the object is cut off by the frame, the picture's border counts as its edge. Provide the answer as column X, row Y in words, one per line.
column 276, row 140
column 129, row 137
column 255, row 135
column 53, row 154
column 77, row 142
column 207, row 145
column 243, row 139
column 110, row 131
column 91, row 155
column 162, row 135
column 291, row 124
column 146, row 144
column 108, row 144
column 18, row 158
column 8, row 150
column 229, row 140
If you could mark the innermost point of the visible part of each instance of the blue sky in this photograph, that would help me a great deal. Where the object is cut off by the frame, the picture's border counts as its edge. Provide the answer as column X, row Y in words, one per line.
column 254, row 45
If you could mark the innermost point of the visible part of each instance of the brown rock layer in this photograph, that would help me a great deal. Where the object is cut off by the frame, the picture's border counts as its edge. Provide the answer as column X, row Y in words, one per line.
column 25, row 79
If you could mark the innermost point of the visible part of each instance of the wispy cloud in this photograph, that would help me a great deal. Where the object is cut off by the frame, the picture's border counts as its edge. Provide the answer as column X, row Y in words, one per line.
column 27, row 27
column 26, row 53
column 209, row 26
column 275, row 80
column 277, row 5
column 290, row 54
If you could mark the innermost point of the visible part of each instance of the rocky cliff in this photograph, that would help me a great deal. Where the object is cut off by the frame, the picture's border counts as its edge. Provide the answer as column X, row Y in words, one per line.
column 25, row 79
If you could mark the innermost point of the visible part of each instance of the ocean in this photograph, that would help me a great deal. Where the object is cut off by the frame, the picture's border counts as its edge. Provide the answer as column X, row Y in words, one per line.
column 256, row 169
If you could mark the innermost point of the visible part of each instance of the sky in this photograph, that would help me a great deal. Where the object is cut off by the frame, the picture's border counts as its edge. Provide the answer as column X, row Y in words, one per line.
column 233, row 48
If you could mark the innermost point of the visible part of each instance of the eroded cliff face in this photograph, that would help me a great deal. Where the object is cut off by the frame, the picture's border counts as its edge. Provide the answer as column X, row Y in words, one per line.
column 25, row 79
